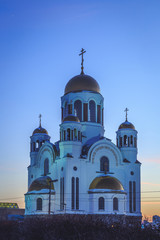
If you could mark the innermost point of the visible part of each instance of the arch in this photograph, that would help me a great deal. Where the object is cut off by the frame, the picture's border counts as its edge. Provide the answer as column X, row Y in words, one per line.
column 92, row 111
column 39, row 204
column 101, row 203
column 115, row 203
column 78, row 109
column 104, row 164
column 46, row 166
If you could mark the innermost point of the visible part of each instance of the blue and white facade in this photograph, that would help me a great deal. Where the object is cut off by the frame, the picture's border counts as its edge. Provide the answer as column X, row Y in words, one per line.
column 84, row 172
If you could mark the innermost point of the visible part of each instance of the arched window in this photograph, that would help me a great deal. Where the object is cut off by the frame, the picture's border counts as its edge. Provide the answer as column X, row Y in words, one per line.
column 92, row 111
column 75, row 134
column 79, row 136
column 68, row 133
column 37, row 144
column 65, row 110
column 77, row 193
column 115, row 203
column 72, row 192
column 120, row 141
column 101, row 203
column 39, row 203
column 125, row 140
column 78, row 109
column 131, row 140
column 72, row 135
column 104, row 164
column 64, row 135
column 46, row 166
column 135, row 142
column 34, row 146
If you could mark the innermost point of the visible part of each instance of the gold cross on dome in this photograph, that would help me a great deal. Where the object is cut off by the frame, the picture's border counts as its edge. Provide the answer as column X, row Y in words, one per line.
column 81, row 54
column 126, row 110
column 40, row 116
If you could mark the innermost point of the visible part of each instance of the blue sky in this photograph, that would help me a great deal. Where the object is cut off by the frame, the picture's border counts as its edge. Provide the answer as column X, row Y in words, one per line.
column 39, row 46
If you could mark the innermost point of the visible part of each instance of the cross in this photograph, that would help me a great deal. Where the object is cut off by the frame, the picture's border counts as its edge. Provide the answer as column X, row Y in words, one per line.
column 126, row 110
column 82, row 52
column 40, row 116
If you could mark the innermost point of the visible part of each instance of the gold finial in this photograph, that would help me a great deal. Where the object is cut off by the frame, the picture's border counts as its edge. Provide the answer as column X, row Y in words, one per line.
column 82, row 52
column 126, row 110
column 40, row 116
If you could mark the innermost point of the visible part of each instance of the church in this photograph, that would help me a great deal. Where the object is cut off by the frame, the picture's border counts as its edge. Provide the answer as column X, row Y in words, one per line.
column 84, row 172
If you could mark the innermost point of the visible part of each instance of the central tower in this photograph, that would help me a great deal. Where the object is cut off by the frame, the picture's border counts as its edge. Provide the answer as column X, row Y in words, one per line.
column 83, row 100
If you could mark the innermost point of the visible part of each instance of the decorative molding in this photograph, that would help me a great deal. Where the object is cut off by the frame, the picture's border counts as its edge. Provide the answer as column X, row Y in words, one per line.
column 99, row 148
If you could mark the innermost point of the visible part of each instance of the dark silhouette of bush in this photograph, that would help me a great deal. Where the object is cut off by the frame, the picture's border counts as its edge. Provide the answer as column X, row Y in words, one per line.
column 71, row 227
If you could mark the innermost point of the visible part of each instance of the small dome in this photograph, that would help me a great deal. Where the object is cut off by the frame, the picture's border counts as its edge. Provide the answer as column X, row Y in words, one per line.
column 106, row 182
column 82, row 82
column 40, row 130
column 41, row 183
column 71, row 118
column 126, row 124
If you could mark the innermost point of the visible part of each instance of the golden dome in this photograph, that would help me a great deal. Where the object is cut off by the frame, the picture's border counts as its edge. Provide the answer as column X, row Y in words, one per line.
column 71, row 118
column 126, row 124
column 106, row 182
column 40, row 130
column 41, row 183
column 82, row 82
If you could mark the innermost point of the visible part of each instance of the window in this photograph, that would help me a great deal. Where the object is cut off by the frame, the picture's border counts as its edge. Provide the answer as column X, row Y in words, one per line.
column 101, row 203
column 37, row 144
column 78, row 109
column 69, row 108
column 134, row 196
column 68, row 134
column 92, row 111
column 72, row 135
column 79, row 136
column 102, row 117
column 125, row 140
column 34, row 146
column 117, row 141
column 65, row 110
column 131, row 140
column 77, row 193
column 115, row 203
column 62, row 193
column 61, row 114
column 75, row 134
column 104, row 164
column 72, row 191
column 98, row 113
column 135, row 142
column 46, row 166
column 64, row 135
column 85, row 112
column 120, row 141
column 130, row 196
column 39, row 204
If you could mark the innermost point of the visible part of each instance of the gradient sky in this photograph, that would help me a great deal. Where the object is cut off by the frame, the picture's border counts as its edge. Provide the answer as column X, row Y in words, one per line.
column 39, row 46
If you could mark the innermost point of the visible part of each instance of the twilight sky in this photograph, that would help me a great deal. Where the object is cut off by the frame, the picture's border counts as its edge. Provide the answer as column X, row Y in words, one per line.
column 39, row 46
